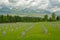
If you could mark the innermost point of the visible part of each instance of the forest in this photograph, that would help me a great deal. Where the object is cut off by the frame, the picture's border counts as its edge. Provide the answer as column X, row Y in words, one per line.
column 9, row 18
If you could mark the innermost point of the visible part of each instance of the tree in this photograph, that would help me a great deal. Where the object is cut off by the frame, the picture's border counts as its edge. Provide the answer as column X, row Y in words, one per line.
column 46, row 17
column 58, row 18
column 1, row 18
column 53, row 16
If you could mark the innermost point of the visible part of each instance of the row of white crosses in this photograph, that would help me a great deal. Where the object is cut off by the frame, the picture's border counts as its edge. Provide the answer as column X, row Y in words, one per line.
column 55, row 25
column 4, row 33
column 58, row 26
column 23, row 25
column 3, row 26
column 51, row 24
column 6, row 27
column 45, row 29
column 27, row 30
column 11, row 28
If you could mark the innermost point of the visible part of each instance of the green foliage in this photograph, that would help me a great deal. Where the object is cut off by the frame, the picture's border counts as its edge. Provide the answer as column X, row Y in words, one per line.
column 58, row 18
column 9, row 18
column 46, row 17
column 53, row 16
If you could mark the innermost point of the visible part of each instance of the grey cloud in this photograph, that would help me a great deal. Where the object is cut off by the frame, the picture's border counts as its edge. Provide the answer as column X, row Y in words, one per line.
column 23, row 4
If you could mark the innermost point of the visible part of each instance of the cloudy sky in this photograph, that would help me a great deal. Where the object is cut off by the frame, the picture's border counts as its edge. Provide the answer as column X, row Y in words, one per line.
column 51, row 5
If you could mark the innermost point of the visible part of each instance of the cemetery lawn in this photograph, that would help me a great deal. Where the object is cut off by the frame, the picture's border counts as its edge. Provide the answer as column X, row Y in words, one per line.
column 30, row 31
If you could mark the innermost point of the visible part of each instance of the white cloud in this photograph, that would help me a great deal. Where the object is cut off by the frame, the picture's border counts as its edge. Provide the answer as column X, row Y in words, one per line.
column 54, row 9
column 58, row 0
column 38, row 4
column 22, row 2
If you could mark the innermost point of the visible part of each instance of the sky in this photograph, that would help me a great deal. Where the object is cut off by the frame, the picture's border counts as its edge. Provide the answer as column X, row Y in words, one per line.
column 51, row 5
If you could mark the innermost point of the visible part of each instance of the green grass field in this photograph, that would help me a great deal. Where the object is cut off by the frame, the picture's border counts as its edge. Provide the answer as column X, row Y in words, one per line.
column 30, row 31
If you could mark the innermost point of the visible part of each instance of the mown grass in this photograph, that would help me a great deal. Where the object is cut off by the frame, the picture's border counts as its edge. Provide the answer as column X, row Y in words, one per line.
column 35, row 33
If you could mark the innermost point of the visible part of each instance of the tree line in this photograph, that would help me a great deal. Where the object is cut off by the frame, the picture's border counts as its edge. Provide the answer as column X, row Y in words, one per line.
column 9, row 18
